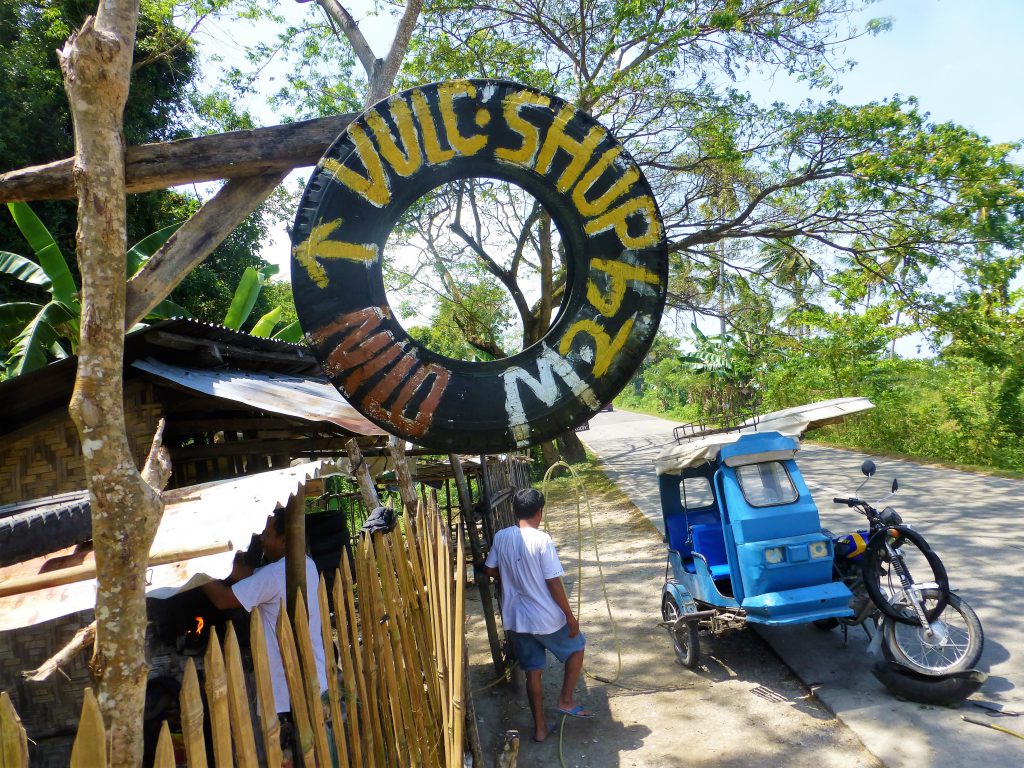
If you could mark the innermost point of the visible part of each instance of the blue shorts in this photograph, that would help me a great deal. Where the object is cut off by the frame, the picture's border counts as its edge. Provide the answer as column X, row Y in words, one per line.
column 529, row 649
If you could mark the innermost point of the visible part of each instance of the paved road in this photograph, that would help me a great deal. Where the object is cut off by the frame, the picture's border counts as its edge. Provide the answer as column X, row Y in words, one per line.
column 973, row 521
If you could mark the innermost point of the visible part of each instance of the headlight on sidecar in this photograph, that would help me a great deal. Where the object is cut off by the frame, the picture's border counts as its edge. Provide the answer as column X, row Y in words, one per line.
column 819, row 549
column 773, row 555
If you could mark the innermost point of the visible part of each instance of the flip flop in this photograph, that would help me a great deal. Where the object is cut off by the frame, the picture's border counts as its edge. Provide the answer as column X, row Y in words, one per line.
column 552, row 727
column 577, row 711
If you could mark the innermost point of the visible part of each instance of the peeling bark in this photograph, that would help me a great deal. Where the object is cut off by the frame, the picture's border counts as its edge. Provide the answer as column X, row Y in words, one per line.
column 96, row 62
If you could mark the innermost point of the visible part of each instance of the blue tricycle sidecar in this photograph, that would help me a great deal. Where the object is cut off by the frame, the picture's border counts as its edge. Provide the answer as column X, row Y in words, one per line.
column 744, row 539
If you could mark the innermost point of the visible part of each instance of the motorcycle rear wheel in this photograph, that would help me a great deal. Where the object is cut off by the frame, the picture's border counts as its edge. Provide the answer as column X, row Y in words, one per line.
column 953, row 642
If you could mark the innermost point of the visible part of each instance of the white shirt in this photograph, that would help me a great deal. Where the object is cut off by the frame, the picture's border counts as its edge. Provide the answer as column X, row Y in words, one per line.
column 265, row 590
column 526, row 558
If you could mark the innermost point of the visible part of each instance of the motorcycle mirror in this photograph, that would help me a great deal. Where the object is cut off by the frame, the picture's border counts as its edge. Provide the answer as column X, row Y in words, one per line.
column 895, row 485
column 868, row 467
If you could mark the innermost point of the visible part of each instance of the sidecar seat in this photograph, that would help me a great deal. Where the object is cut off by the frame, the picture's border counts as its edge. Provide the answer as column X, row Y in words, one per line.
column 709, row 540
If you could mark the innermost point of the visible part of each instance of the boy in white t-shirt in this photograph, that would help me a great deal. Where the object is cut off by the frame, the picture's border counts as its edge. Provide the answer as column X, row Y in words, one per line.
column 534, row 608
column 264, row 588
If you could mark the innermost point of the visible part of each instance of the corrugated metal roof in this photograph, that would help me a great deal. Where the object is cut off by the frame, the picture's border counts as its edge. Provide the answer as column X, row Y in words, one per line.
column 228, row 510
column 304, row 397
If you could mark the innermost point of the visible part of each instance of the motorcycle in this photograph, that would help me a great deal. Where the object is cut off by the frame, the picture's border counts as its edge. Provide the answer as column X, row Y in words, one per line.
column 898, row 581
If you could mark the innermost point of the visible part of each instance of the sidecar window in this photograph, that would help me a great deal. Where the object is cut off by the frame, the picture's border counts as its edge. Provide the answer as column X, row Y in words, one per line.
column 767, row 484
column 695, row 493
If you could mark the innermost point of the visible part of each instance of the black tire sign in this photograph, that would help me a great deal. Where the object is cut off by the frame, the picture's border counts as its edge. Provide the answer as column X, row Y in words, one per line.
column 615, row 256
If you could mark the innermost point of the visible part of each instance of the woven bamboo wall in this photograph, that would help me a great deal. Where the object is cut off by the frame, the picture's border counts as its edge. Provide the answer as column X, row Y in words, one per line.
column 45, row 457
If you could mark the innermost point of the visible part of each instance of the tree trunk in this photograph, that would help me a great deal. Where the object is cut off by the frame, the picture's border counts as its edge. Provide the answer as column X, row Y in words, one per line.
column 126, row 509
column 571, row 447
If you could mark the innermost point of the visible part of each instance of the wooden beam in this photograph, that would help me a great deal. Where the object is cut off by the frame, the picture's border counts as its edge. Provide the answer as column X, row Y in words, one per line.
column 258, row 152
column 311, row 446
column 166, row 339
column 196, row 239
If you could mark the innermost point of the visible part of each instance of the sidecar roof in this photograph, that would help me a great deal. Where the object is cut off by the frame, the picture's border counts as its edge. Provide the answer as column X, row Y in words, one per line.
column 790, row 423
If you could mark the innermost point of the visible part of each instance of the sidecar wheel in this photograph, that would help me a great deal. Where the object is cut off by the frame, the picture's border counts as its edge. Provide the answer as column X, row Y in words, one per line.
column 955, row 644
column 685, row 640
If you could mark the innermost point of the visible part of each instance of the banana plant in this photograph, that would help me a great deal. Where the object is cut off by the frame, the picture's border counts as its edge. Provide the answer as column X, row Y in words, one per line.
column 243, row 301
column 33, row 333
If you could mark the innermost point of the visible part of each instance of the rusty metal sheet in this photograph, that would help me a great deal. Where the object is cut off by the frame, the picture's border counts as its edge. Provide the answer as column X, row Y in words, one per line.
column 227, row 510
column 307, row 398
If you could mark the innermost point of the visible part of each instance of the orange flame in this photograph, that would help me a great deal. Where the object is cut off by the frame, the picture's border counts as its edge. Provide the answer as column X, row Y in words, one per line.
column 199, row 625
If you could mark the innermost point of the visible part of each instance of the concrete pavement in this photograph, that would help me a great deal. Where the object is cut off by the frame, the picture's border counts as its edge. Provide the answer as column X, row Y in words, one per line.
column 973, row 521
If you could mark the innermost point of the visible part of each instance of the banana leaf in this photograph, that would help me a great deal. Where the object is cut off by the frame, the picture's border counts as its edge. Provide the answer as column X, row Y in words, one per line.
column 141, row 252
column 265, row 325
column 291, row 332
column 25, row 270
column 246, row 294
column 32, row 344
column 50, row 258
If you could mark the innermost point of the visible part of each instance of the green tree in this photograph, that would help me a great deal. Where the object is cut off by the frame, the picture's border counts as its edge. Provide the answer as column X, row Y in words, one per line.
column 35, row 126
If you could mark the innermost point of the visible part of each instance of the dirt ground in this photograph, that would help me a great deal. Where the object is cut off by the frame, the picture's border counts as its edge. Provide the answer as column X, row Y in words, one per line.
column 741, row 707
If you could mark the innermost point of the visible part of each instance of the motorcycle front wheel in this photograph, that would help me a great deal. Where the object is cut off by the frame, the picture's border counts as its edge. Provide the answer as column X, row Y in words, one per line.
column 953, row 642
column 920, row 563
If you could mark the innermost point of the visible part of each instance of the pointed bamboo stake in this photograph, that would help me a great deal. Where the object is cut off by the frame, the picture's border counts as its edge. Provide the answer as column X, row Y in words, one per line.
column 90, row 748
column 459, row 660
column 370, row 613
column 404, row 648
column 270, row 725
column 191, row 703
column 296, row 691
column 437, row 611
column 13, row 739
column 418, row 623
column 217, row 701
column 366, row 706
column 372, row 617
column 304, row 643
column 238, row 701
column 331, row 665
column 342, row 624
column 398, row 692
column 164, row 757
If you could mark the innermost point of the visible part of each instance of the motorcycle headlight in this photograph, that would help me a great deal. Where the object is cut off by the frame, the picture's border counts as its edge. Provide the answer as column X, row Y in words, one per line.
column 890, row 516
column 773, row 555
column 819, row 549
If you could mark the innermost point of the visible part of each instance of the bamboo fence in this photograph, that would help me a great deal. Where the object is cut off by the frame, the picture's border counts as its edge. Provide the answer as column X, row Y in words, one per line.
column 396, row 673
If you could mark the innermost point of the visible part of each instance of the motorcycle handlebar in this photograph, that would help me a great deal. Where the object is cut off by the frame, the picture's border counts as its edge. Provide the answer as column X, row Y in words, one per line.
column 847, row 502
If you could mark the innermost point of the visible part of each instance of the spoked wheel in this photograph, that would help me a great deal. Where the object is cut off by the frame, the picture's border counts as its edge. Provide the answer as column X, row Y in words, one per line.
column 685, row 636
column 952, row 643
column 922, row 566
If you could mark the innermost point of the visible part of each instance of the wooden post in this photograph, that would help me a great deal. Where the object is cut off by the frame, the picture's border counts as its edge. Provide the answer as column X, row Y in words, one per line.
column 295, row 548
column 478, row 560
column 13, row 739
column 361, row 473
column 488, row 496
column 396, row 447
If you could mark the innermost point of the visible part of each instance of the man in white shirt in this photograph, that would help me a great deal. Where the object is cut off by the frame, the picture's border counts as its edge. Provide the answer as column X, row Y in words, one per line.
column 265, row 588
column 534, row 609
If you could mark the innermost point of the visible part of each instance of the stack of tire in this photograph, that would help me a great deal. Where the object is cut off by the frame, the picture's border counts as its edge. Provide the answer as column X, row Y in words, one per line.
column 32, row 529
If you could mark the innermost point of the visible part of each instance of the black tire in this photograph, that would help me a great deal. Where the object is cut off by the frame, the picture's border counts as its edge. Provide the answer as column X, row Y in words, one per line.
column 954, row 642
column 44, row 529
column 883, row 584
column 937, row 691
column 616, row 262
column 685, row 640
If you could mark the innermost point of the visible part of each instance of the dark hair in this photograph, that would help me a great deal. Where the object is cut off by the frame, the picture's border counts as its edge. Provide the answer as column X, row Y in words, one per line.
column 279, row 521
column 527, row 502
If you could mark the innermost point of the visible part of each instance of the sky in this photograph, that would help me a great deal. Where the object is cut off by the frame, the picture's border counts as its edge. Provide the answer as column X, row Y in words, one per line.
column 963, row 60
